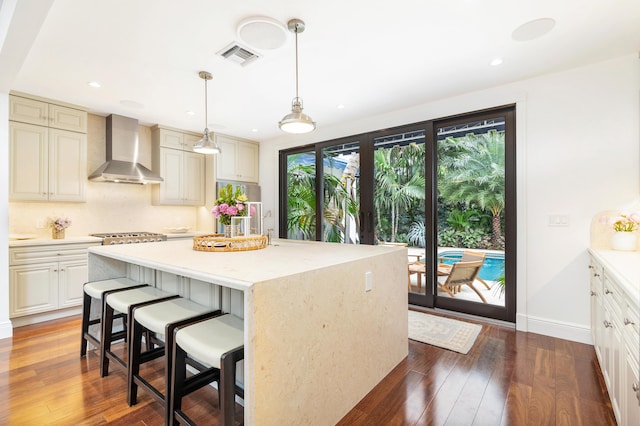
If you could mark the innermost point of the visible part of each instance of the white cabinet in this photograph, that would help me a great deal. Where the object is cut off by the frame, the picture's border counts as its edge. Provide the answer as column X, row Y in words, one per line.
column 616, row 337
column 46, row 164
column 46, row 277
column 238, row 160
column 43, row 113
column 48, row 151
column 182, row 169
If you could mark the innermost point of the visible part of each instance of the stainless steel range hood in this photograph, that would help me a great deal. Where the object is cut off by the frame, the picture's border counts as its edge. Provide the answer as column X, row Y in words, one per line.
column 122, row 155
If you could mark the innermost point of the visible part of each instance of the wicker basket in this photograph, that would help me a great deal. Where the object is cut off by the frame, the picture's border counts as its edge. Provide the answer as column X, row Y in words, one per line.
column 218, row 242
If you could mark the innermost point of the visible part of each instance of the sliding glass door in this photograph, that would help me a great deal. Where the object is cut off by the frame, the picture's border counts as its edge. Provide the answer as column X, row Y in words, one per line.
column 473, row 203
column 445, row 189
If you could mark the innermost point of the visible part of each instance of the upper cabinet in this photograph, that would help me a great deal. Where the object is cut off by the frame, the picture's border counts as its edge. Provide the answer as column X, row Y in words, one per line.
column 41, row 113
column 182, row 169
column 48, row 151
column 238, row 160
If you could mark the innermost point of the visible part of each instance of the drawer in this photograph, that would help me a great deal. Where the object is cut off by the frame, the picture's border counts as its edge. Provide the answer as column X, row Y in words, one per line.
column 613, row 296
column 631, row 329
column 37, row 254
column 596, row 273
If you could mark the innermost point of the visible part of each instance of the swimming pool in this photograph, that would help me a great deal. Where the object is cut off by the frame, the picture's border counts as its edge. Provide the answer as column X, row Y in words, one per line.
column 492, row 268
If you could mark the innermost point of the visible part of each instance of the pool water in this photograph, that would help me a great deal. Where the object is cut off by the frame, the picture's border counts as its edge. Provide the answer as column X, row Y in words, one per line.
column 492, row 268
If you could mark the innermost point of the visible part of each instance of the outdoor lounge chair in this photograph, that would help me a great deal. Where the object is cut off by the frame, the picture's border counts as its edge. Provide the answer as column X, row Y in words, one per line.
column 419, row 268
column 467, row 256
column 462, row 273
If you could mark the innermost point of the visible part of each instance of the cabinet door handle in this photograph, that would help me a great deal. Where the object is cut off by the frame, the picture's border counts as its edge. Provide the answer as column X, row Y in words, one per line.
column 590, row 266
column 596, row 274
column 55, row 270
column 627, row 321
column 593, row 293
column 635, row 387
column 607, row 324
column 607, row 291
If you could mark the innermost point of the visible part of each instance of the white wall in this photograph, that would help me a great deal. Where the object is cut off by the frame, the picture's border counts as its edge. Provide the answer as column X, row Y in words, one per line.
column 5, row 323
column 577, row 154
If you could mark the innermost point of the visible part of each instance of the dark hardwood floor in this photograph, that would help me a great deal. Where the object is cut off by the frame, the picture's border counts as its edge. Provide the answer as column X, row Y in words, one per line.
column 508, row 378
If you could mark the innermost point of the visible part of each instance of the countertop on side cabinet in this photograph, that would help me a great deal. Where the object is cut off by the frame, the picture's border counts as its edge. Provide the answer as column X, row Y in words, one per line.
column 50, row 241
column 624, row 266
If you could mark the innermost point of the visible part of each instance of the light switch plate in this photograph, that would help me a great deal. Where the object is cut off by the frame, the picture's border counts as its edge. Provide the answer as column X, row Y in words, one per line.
column 558, row 220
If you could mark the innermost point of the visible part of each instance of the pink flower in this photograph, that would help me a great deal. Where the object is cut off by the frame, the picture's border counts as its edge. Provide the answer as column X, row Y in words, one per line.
column 232, row 211
column 240, row 207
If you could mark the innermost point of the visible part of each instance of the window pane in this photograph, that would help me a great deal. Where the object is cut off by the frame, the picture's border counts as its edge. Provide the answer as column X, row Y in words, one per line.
column 301, row 196
column 471, row 205
column 341, row 197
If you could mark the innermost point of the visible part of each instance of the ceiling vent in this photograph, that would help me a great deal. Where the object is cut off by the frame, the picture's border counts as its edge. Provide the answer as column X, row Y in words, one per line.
column 239, row 54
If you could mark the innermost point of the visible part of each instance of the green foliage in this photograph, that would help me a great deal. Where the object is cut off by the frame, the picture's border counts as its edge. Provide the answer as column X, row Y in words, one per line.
column 417, row 234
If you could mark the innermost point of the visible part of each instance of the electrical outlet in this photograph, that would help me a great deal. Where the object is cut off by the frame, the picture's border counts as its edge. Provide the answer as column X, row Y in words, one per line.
column 40, row 224
column 368, row 281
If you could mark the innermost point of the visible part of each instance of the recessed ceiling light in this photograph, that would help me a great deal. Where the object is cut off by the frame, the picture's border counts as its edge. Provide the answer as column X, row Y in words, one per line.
column 262, row 32
column 533, row 29
column 495, row 62
column 191, row 113
column 340, row 106
column 254, row 130
column 131, row 104
column 94, row 84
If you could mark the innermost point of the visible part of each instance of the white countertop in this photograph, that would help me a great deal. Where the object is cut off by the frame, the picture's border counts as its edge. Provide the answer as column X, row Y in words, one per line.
column 50, row 241
column 624, row 266
column 242, row 269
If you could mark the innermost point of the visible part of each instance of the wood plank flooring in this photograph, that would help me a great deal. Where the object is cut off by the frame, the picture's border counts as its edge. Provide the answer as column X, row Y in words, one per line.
column 508, row 378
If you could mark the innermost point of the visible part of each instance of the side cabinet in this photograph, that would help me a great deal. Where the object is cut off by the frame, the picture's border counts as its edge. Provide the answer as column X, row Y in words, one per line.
column 182, row 169
column 48, row 151
column 46, row 278
column 238, row 160
column 616, row 337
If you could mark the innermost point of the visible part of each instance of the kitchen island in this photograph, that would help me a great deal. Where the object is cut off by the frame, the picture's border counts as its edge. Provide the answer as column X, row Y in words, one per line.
column 316, row 339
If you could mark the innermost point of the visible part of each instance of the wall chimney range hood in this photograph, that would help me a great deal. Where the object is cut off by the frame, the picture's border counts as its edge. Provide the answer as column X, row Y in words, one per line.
column 122, row 155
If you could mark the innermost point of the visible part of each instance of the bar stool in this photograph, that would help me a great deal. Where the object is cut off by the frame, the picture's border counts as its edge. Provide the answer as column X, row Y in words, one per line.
column 161, row 319
column 125, row 302
column 218, row 343
column 99, row 290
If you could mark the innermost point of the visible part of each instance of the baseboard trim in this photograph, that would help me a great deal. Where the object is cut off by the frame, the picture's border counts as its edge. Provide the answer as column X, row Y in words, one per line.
column 6, row 329
column 45, row 316
column 561, row 330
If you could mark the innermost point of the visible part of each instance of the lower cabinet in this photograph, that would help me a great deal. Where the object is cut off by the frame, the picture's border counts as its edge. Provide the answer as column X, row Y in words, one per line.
column 46, row 278
column 616, row 338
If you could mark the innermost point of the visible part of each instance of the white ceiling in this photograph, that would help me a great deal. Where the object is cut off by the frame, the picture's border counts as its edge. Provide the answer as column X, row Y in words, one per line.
column 372, row 56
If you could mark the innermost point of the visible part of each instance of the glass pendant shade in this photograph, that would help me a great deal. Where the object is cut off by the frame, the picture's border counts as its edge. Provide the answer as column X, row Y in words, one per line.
column 297, row 121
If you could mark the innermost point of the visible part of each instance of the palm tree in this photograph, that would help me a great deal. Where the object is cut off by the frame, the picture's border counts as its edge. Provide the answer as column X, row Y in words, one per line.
column 301, row 199
column 472, row 170
column 398, row 183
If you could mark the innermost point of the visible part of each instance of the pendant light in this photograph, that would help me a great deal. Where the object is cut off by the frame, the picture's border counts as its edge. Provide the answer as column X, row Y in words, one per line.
column 297, row 121
column 206, row 145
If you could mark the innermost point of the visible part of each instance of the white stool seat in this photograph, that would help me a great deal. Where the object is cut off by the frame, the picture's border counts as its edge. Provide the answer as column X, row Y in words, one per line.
column 156, row 317
column 121, row 300
column 208, row 340
column 95, row 289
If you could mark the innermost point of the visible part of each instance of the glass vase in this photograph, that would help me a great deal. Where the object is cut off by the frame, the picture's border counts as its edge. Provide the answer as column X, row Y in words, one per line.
column 230, row 231
column 57, row 234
